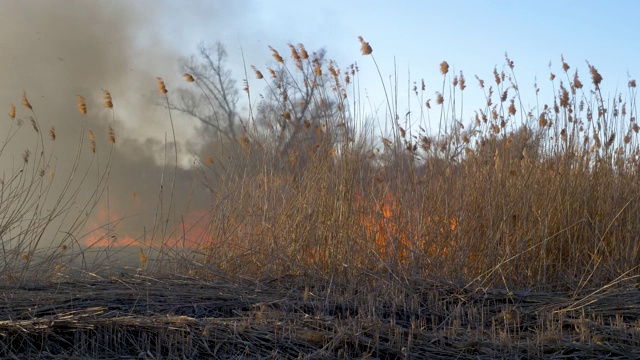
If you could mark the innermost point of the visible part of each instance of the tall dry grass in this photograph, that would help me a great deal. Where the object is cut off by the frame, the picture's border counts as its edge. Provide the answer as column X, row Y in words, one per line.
column 315, row 187
column 340, row 222
column 43, row 212
column 513, row 197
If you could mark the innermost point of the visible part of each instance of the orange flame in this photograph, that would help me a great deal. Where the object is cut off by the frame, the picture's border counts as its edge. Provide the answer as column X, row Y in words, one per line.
column 396, row 235
column 104, row 227
column 192, row 231
column 393, row 237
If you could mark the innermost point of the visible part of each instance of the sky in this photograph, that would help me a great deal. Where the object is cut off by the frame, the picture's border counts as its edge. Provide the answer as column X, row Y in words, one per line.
column 56, row 50
column 407, row 37
column 472, row 36
column 411, row 38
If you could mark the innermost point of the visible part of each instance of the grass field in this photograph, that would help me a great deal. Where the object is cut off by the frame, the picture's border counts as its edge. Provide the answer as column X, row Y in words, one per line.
column 332, row 232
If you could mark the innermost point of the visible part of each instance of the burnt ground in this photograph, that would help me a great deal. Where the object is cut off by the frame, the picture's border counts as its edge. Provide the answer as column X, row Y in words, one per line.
column 140, row 317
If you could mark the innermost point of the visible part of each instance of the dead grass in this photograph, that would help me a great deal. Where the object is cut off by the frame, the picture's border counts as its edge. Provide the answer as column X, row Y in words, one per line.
column 330, row 237
column 180, row 317
column 516, row 198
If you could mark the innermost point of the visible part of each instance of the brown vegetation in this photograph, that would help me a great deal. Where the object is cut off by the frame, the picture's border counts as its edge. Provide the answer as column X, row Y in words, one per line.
column 531, row 213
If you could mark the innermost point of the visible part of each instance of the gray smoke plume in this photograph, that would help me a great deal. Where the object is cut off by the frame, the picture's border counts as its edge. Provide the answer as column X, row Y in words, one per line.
column 56, row 50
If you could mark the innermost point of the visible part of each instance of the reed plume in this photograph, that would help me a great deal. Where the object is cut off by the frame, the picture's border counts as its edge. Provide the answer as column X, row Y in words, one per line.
column 112, row 135
column 276, row 55
column 188, row 77
column 92, row 139
column 82, row 106
column 34, row 124
column 595, row 76
column 444, row 68
column 576, row 81
column 259, row 75
column 25, row 101
column 365, row 47
column 161, row 87
column 12, row 111
column 303, row 52
column 108, row 102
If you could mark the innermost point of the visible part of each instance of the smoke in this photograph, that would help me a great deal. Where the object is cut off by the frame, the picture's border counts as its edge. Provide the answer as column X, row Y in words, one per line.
column 56, row 50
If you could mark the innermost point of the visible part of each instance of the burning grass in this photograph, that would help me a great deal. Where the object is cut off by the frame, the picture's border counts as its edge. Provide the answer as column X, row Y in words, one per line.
column 326, row 238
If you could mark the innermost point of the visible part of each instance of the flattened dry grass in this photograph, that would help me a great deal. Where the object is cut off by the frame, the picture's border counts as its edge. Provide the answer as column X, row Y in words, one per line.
column 180, row 317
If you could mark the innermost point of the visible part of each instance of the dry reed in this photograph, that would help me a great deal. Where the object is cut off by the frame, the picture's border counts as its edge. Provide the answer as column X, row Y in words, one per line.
column 356, row 222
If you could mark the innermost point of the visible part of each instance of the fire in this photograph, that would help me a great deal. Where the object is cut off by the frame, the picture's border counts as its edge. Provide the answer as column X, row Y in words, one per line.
column 194, row 231
column 191, row 231
column 104, row 225
column 393, row 235
column 397, row 235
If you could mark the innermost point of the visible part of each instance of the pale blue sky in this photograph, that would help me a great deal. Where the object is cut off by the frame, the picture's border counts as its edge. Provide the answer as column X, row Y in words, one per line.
column 471, row 36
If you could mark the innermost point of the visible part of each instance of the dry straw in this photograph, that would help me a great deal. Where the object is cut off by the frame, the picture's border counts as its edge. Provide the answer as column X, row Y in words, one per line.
column 502, row 330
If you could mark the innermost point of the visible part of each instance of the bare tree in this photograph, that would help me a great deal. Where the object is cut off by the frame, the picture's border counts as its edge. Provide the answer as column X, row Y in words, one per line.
column 303, row 102
column 215, row 105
